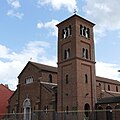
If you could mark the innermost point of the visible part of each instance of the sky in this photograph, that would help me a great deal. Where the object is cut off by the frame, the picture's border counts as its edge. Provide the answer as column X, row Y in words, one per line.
column 28, row 32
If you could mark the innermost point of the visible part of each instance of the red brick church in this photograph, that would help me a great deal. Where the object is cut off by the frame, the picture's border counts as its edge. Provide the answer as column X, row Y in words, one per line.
column 73, row 85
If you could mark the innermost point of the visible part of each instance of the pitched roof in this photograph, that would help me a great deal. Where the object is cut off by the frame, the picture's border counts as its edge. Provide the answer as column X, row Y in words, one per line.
column 40, row 67
column 109, row 100
column 107, row 80
column 77, row 17
column 44, row 67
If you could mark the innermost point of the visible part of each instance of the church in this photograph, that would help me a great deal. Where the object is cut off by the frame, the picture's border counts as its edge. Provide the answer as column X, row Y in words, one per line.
column 72, row 87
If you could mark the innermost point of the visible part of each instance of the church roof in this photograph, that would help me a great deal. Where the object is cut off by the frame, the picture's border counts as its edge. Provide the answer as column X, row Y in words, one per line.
column 107, row 80
column 77, row 16
column 39, row 66
column 108, row 100
column 44, row 67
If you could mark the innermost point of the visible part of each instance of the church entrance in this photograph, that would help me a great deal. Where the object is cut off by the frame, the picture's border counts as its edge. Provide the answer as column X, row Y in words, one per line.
column 27, row 109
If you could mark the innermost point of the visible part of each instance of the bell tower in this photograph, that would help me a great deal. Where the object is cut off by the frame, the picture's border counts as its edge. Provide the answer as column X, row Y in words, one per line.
column 76, row 65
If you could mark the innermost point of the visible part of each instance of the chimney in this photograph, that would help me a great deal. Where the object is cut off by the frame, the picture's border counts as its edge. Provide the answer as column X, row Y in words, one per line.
column 6, row 85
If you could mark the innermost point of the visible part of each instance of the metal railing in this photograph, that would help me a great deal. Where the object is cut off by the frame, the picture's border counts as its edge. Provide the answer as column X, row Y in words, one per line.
column 65, row 115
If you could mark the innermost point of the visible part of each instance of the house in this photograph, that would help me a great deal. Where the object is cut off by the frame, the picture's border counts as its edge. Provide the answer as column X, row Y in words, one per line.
column 5, row 94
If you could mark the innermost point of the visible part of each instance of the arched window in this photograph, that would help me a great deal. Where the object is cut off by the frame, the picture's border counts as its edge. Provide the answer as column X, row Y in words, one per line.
column 83, row 52
column 117, row 107
column 81, row 30
column 88, row 32
column 100, row 113
column 67, row 53
column 86, row 78
column 116, row 88
column 84, row 31
column 117, row 114
column 108, row 87
column 66, row 79
column 62, row 33
column 87, row 108
column 100, row 108
column 86, row 53
column 108, row 113
column 66, row 31
column 50, row 78
column 67, row 109
column 69, row 30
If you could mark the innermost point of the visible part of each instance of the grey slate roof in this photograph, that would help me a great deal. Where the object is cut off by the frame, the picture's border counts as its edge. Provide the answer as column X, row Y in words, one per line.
column 109, row 100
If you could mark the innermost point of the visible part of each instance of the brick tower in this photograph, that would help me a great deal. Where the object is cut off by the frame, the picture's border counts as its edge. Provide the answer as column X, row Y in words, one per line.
column 76, row 65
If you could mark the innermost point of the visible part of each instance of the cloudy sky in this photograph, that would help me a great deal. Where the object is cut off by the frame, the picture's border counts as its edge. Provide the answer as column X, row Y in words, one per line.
column 28, row 32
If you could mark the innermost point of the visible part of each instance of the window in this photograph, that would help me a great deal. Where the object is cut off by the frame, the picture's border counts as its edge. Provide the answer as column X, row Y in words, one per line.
column 69, row 30
column 67, row 108
column 50, row 78
column 66, row 94
column 84, row 31
column 116, row 88
column 87, row 113
column 100, row 84
column 108, row 87
column 85, row 53
column 109, row 113
column 87, row 32
column 29, row 80
column 81, row 30
column 62, row 33
column 86, row 78
column 66, row 32
column 67, row 54
column 66, row 79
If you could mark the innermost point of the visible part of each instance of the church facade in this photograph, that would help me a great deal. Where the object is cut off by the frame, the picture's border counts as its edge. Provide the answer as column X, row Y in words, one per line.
column 73, row 85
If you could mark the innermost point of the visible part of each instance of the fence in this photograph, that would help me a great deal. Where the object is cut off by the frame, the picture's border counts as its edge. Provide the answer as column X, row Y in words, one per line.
column 66, row 115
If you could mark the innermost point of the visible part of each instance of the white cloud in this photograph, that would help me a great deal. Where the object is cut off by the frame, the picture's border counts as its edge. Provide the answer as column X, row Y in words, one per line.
column 49, row 25
column 14, row 3
column 12, row 63
column 40, row 25
column 104, row 13
column 107, row 70
column 4, row 51
column 15, row 14
column 58, row 4
column 9, row 72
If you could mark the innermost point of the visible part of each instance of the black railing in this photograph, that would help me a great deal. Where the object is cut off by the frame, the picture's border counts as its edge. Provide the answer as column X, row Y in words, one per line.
column 65, row 115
